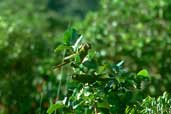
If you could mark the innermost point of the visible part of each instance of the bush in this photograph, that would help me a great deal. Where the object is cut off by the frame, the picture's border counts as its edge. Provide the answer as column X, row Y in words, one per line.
column 137, row 32
column 150, row 105
column 97, row 86
column 26, row 59
column 28, row 36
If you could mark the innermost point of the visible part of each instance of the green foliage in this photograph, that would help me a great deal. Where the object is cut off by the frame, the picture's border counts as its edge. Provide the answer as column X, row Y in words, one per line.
column 150, row 105
column 29, row 32
column 137, row 32
column 28, row 36
column 26, row 59
column 74, row 8
column 70, row 37
column 53, row 107
column 143, row 73
column 97, row 87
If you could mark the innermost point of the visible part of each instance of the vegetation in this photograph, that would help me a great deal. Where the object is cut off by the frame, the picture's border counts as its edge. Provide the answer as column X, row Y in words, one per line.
column 137, row 32
column 150, row 105
column 26, row 56
column 120, row 63
column 100, row 87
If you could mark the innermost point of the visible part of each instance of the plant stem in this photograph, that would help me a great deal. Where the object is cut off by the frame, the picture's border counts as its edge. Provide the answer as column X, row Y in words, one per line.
column 61, row 75
column 40, row 106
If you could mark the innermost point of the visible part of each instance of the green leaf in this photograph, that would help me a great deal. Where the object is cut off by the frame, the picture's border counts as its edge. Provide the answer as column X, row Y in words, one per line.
column 104, row 104
column 120, row 63
column 77, row 58
column 70, row 37
column 61, row 48
column 77, row 105
column 90, row 64
column 54, row 107
column 77, row 43
column 91, row 54
column 143, row 73
column 129, row 110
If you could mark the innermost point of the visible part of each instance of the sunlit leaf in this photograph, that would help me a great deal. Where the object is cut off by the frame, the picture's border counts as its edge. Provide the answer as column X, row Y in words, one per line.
column 143, row 73
column 54, row 107
column 120, row 64
column 77, row 43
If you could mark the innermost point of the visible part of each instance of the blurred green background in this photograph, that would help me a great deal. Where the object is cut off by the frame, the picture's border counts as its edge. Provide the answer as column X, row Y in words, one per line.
column 138, row 32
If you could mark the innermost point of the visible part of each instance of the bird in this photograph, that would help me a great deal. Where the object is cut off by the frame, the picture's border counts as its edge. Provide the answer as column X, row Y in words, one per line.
column 81, row 52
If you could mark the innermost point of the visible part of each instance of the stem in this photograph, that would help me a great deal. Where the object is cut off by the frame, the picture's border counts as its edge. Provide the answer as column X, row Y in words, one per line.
column 95, row 109
column 40, row 106
column 61, row 75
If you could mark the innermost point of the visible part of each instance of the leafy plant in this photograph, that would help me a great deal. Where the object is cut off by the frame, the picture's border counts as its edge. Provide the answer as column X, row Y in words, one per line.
column 96, row 86
column 26, row 56
column 137, row 32
column 28, row 31
column 150, row 105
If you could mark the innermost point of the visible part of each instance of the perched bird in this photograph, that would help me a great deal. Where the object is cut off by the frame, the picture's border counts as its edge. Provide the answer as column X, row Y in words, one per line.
column 81, row 52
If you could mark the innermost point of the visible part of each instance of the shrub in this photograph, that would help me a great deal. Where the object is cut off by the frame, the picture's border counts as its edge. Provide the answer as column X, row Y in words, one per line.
column 26, row 57
column 150, row 105
column 137, row 32
column 97, row 86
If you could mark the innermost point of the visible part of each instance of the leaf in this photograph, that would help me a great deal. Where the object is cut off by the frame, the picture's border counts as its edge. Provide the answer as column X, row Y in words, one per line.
column 120, row 64
column 77, row 43
column 91, row 54
column 129, row 110
column 54, row 107
column 77, row 58
column 143, row 73
column 104, row 104
column 61, row 48
column 77, row 105
column 70, row 37
column 90, row 64
column 116, row 68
